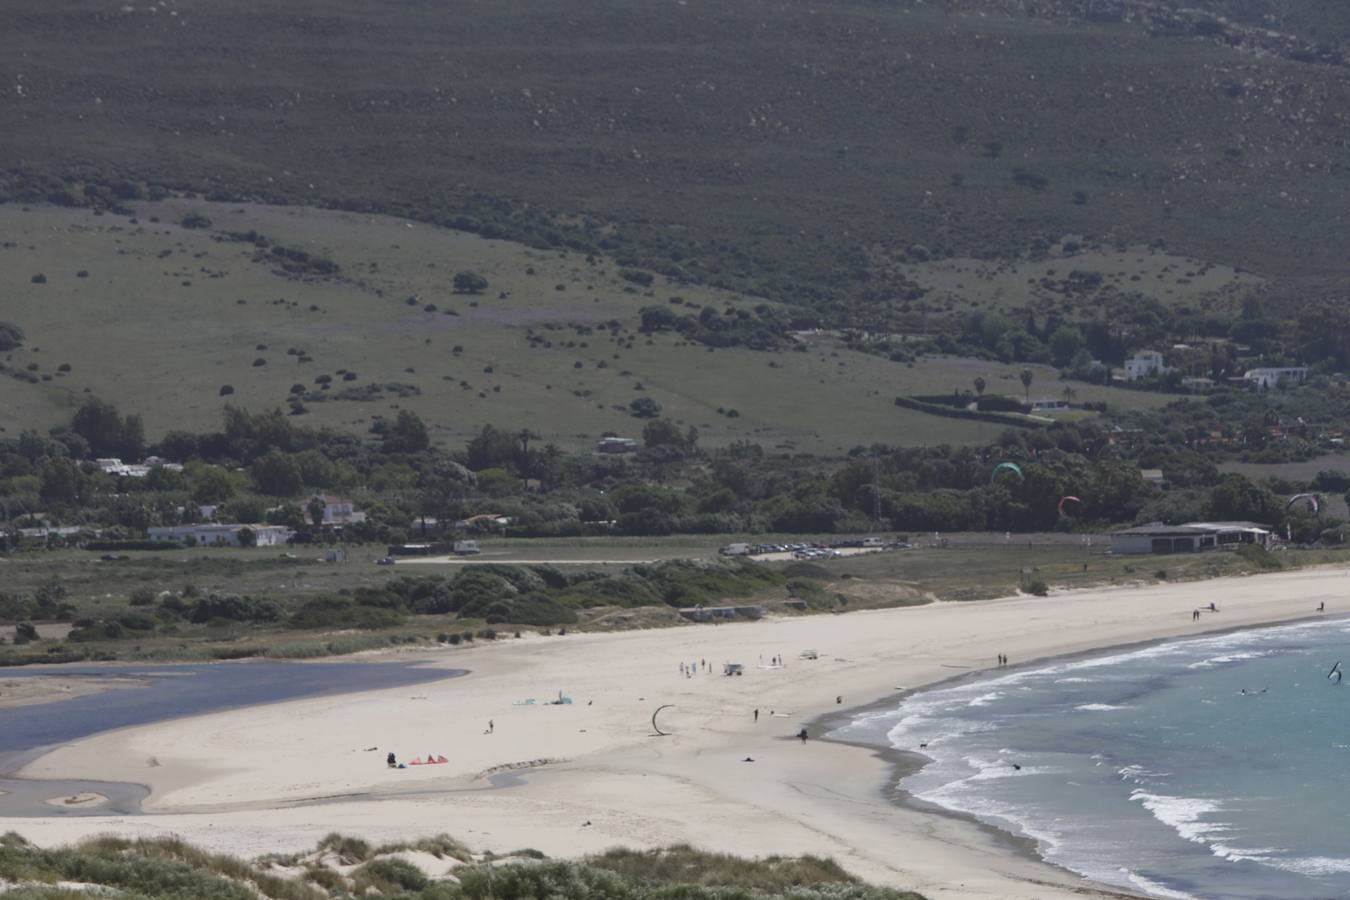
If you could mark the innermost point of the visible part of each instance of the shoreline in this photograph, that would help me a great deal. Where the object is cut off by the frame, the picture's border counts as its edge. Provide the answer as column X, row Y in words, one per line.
column 280, row 776
column 904, row 763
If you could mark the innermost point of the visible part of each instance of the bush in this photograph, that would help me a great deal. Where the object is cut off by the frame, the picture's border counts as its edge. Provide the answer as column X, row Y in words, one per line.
column 390, row 875
column 11, row 336
column 195, row 220
column 1260, row 557
column 1038, row 587
column 469, row 283
column 235, row 608
column 25, row 632
column 141, row 597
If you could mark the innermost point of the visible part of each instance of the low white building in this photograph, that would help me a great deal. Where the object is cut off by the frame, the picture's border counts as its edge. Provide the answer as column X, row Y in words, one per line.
column 222, row 535
column 340, row 511
column 1145, row 364
column 1269, row 378
column 1189, row 538
column 114, row 466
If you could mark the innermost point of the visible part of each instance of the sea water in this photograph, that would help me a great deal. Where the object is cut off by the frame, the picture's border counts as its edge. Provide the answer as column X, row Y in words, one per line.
column 1215, row 767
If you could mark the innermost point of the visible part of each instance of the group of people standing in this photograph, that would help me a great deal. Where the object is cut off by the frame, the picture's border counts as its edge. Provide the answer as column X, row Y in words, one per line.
column 688, row 670
column 1002, row 660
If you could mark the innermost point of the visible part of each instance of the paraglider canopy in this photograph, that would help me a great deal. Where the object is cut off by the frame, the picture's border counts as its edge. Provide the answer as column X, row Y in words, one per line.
column 1011, row 467
column 1314, row 502
column 1063, row 500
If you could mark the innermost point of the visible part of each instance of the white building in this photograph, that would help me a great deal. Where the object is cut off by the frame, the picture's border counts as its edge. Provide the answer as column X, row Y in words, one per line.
column 223, row 535
column 1269, row 378
column 340, row 511
column 1145, row 364
column 114, row 466
column 1188, row 538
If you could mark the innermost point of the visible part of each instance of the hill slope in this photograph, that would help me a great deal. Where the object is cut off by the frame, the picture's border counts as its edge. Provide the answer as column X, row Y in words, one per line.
column 795, row 150
column 159, row 318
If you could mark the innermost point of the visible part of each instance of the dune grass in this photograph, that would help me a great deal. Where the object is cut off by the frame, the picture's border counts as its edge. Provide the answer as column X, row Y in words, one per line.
column 171, row 869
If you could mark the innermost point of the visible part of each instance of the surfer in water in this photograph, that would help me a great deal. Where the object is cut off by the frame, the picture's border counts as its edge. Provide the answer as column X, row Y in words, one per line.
column 1335, row 674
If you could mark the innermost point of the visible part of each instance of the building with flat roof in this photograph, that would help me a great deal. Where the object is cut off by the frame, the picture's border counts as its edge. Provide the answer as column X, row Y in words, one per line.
column 1191, row 537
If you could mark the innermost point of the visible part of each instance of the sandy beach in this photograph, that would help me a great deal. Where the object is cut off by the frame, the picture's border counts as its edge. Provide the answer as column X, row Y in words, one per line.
column 579, row 777
column 47, row 688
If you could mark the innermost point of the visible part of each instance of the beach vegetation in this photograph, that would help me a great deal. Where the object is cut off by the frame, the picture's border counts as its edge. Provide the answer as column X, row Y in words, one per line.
column 389, row 875
column 343, row 865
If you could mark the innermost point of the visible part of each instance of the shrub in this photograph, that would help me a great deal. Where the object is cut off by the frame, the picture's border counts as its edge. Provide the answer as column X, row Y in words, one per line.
column 39, row 279
column 25, row 632
column 469, row 283
column 349, row 850
column 11, row 336
column 141, row 597
column 235, row 608
column 389, row 875
column 1038, row 587
column 226, row 390
column 195, row 220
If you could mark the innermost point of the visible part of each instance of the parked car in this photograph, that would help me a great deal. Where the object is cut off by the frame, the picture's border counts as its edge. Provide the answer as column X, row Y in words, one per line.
column 385, row 561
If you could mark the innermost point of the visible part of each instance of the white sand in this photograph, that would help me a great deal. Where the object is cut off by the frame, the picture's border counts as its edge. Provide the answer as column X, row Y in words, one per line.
column 277, row 778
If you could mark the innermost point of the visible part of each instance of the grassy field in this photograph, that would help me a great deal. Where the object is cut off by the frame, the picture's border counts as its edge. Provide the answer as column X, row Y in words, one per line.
column 165, row 316
column 776, row 146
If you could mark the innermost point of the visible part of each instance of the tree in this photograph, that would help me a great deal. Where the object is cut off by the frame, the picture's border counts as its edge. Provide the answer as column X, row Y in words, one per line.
column 469, row 283
column 108, row 433
column 980, row 385
column 1026, row 384
column 645, row 408
column 492, row 447
column 408, row 434
column 212, row 484
column 1064, row 343
column 315, row 508
column 662, row 433
column 63, row 482
column 277, row 474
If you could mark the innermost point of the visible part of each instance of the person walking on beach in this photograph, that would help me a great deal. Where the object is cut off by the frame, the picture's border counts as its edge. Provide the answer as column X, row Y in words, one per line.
column 756, row 715
column 802, row 734
column 1322, row 607
column 491, row 726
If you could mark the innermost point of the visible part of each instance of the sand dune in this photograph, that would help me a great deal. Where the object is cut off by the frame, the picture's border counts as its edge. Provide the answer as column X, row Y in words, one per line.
column 579, row 777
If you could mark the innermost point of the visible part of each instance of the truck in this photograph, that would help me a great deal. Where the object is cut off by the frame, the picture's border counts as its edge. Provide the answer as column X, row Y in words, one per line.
column 735, row 550
column 467, row 548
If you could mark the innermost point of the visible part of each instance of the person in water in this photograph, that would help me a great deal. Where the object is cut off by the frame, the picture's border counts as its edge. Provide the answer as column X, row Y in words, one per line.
column 390, row 761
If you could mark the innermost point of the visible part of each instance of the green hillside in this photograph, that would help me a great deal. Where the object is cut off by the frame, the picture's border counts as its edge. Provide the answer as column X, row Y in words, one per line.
column 802, row 151
column 174, row 323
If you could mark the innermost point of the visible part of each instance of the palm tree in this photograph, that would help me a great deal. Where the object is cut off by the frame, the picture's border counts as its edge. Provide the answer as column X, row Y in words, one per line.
column 1026, row 384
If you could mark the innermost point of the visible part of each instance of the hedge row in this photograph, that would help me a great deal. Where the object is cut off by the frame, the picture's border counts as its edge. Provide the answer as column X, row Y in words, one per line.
column 133, row 545
column 955, row 412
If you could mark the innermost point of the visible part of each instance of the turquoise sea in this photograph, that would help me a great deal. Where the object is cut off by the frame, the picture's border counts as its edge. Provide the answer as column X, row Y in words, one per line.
column 1216, row 767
